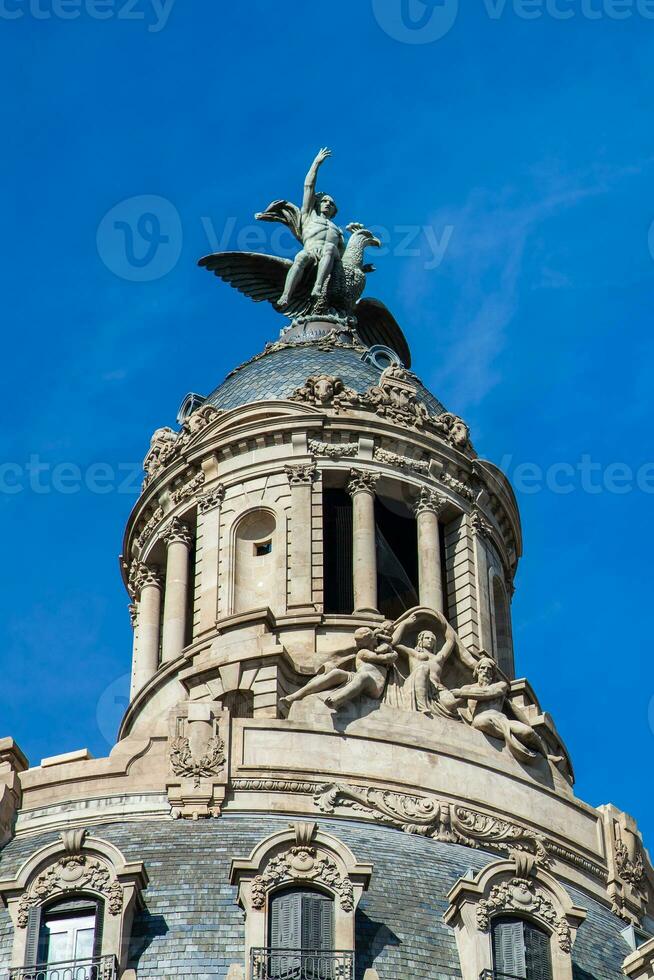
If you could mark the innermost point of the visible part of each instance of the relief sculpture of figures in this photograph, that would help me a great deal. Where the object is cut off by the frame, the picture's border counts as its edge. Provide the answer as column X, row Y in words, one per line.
column 483, row 705
column 372, row 654
column 423, row 690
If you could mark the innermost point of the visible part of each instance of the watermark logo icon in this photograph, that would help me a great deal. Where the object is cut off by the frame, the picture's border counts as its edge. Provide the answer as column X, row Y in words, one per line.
column 416, row 21
column 112, row 705
column 140, row 238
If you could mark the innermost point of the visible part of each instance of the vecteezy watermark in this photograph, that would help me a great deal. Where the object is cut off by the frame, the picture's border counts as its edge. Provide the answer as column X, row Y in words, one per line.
column 153, row 13
column 426, row 21
column 140, row 238
column 585, row 474
column 39, row 476
column 416, row 21
column 112, row 705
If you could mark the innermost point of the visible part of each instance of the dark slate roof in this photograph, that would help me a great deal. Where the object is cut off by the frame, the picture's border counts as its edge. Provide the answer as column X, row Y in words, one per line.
column 279, row 372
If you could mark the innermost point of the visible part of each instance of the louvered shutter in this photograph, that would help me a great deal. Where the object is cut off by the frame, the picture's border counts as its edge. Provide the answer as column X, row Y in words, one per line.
column 286, row 920
column 509, row 947
column 537, row 953
column 99, row 927
column 316, row 921
column 33, row 935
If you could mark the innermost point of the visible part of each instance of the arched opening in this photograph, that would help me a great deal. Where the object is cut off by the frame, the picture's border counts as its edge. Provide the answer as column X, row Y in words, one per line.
column 337, row 551
column 520, row 949
column 68, row 932
column 502, row 626
column 255, row 560
column 397, row 557
column 239, row 703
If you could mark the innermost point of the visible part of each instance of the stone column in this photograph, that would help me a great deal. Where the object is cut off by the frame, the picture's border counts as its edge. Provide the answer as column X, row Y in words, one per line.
column 364, row 550
column 179, row 539
column 147, row 585
column 208, row 545
column 301, row 480
column 430, row 573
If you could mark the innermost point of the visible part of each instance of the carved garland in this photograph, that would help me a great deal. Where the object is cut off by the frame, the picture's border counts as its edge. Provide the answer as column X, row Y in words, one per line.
column 302, row 862
column 333, row 450
column 520, row 895
column 434, row 818
column 183, row 763
column 72, row 873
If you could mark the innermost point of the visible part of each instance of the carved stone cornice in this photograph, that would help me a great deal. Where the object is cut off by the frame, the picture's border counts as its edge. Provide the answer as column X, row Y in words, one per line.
column 438, row 819
column 301, row 475
column 429, row 502
column 212, row 499
column 178, row 532
column 458, row 486
column 521, row 895
column 334, row 450
column 362, row 481
column 149, row 526
column 188, row 489
column 303, row 863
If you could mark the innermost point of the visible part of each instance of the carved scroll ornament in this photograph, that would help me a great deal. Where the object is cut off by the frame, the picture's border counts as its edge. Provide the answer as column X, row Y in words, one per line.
column 303, row 863
column 74, row 872
column 521, row 895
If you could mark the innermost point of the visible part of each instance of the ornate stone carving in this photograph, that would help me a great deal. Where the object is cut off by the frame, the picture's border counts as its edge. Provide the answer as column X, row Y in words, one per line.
column 75, row 871
column 401, row 462
column 188, row 489
column 521, row 895
column 142, row 575
column 429, row 500
column 453, row 429
column 184, row 764
column 325, row 390
column 149, row 526
column 213, row 498
column 334, row 450
column 161, row 451
column 275, row 786
column 195, row 423
column 362, row 480
column 178, row 531
column 430, row 817
column 370, row 654
column 630, row 870
column 305, row 864
column 302, row 474
column 457, row 486
column 395, row 398
column 133, row 610
column 479, row 525
column 627, row 880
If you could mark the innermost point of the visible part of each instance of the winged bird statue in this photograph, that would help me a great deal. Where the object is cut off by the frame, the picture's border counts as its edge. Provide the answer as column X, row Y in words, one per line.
column 327, row 277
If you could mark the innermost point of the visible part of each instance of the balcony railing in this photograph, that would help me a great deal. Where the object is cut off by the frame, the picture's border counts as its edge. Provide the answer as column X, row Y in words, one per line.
column 97, row 968
column 301, row 964
column 496, row 975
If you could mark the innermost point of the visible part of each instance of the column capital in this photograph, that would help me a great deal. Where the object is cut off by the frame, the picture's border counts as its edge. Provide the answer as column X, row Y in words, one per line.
column 304, row 473
column 429, row 501
column 142, row 575
column 479, row 525
column 178, row 532
column 362, row 480
column 211, row 499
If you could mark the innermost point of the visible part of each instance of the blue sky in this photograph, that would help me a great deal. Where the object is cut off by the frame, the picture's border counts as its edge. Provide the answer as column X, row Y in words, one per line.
column 505, row 152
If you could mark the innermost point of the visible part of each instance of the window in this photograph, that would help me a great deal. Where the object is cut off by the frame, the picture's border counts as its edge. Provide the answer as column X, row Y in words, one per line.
column 521, row 949
column 337, row 555
column 301, row 919
column 239, row 703
column 67, row 932
column 502, row 624
column 397, row 558
column 254, row 574
column 263, row 548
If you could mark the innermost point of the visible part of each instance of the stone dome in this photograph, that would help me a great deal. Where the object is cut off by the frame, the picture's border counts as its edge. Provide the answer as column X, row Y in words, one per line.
column 280, row 370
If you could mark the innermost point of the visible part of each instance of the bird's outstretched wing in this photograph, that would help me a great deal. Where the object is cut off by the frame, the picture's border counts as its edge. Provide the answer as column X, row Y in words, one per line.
column 259, row 276
column 377, row 325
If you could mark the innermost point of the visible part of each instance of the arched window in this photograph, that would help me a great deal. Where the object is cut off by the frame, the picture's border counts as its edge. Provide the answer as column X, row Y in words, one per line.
column 68, row 932
column 520, row 949
column 239, row 703
column 254, row 574
column 502, row 627
column 301, row 921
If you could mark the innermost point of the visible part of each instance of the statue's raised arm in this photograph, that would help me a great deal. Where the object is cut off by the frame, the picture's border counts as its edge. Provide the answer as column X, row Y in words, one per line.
column 309, row 198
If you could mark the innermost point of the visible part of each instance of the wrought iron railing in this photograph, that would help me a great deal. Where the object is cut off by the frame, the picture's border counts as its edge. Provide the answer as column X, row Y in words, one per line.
column 267, row 963
column 497, row 975
column 97, row 968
